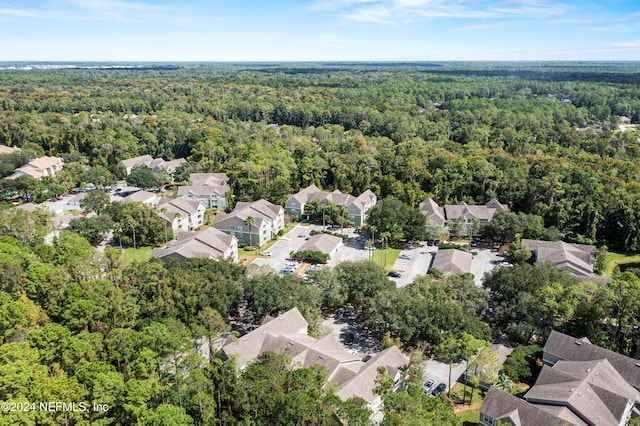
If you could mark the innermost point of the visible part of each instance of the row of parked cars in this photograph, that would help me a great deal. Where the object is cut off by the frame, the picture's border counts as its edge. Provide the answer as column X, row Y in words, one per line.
column 430, row 387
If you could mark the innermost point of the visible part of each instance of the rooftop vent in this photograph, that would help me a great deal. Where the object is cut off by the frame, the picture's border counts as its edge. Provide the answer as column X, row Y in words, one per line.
column 579, row 343
column 320, row 356
column 637, row 364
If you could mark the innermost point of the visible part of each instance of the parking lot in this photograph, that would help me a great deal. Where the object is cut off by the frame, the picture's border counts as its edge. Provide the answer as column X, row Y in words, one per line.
column 483, row 262
column 352, row 250
column 341, row 327
column 439, row 371
column 58, row 207
column 414, row 260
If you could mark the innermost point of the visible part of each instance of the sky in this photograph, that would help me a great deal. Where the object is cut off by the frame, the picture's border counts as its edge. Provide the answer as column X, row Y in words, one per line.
column 319, row 30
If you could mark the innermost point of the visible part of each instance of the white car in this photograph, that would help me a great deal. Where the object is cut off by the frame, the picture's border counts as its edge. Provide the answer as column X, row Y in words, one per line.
column 428, row 385
column 404, row 256
column 266, row 253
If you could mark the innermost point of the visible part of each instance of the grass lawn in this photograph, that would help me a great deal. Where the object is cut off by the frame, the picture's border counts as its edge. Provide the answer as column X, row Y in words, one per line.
column 469, row 414
column 391, row 256
column 617, row 258
column 143, row 254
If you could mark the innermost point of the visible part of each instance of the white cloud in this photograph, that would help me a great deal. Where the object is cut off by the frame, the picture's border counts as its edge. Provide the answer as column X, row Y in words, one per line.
column 630, row 43
column 18, row 12
column 334, row 5
column 395, row 11
column 110, row 5
column 473, row 27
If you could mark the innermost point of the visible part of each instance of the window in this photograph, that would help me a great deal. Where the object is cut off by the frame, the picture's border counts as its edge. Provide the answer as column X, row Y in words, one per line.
column 484, row 419
column 240, row 228
column 232, row 227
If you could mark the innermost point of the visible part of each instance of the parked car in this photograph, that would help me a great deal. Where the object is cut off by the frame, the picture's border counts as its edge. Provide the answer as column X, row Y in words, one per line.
column 439, row 389
column 286, row 271
column 428, row 385
column 505, row 264
column 394, row 274
column 349, row 312
column 349, row 339
column 404, row 256
column 266, row 253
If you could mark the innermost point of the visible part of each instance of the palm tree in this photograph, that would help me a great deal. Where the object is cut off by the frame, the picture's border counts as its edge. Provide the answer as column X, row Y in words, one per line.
column 132, row 223
column 177, row 217
column 373, row 231
column 117, row 228
column 343, row 213
column 369, row 246
column 384, row 236
column 163, row 210
column 504, row 382
column 249, row 221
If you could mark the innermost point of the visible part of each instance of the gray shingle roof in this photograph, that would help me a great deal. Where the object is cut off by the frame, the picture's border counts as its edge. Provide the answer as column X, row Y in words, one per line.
column 206, row 184
column 285, row 334
column 184, row 205
column 364, row 199
column 304, row 194
column 208, row 179
column 593, row 390
column 503, row 406
column 453, row 260
column 248, row 347
column 139, row 197
column 324, row 243
column 453, row 211
column 429, row 207
column 362, row 384
column 260, row 210
column 209, row 243
column 565, row 347
column 576, row 258
column 135, row 161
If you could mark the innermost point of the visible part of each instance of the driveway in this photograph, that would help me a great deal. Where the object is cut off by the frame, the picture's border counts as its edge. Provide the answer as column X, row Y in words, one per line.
column 439, row 371
column 483, row 262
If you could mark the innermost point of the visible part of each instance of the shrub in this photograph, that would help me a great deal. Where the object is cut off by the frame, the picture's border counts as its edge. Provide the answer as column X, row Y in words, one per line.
column 311, row 256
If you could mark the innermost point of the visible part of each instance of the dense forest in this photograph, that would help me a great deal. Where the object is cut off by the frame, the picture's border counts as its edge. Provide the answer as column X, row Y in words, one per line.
column 544, row 140
column 557, row 143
